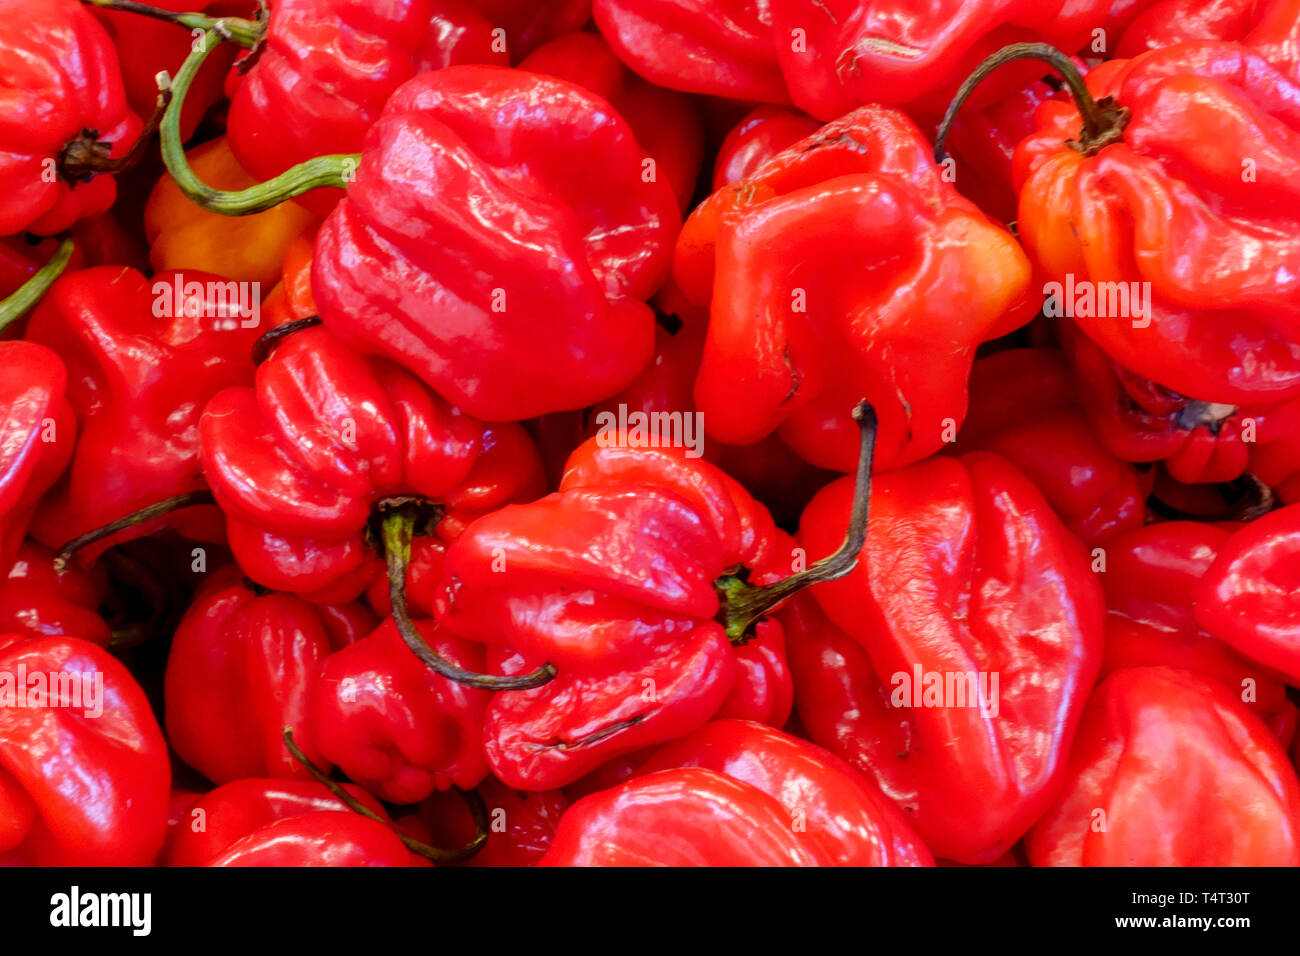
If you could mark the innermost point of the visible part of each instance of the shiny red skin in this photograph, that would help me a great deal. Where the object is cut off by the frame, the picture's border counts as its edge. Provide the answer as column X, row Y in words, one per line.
column 33, row 598
column 37, row 432
column 138, row 382
column 392, row 724
column 326, row 68
column 1184, row 775
column 326, row 838
column 61, row 77
column 757, row 138
column 966, row 569
column 530, row 23
column 521, row 825
column 539, row 294
column 297, row 461
column 853, row 822
column 77, row 790
column 1269, row 27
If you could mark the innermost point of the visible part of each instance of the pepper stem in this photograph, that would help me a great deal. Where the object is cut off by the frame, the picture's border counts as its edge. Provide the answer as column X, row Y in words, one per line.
column 247, row 33
column 315, row 173
column 190, row 499
column 435, row 854
column 31, row 291
column 398, row 527
column 1103, row 120
column 744, row 604
column 267, row 342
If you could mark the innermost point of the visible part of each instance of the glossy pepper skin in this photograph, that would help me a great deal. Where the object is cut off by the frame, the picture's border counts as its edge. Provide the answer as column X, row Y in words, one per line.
column 36, row 599
column 326, row 67
column 37, row 431
column 240, row 670
column 834, row 272
column 1197, row 441
column 297, row 461
column 966, row 571
column 534, row 300
column 1023, row 408
column 521, row 824
column 1269, row 27
column 1248, row 596
column 530, row 23
column 627, row 620
column 1198, row 198
column 79, row 788
column 392, row 724
column 63, row 100
column 1168, row 769
column 1152, row 578
column 758, row 137
column 261, row 822
column 142, row 362
column 895, row 52
column 665, row 122
column 836, row 807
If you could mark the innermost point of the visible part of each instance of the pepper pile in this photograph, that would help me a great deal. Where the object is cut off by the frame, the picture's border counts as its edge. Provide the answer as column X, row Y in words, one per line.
column 649, row 432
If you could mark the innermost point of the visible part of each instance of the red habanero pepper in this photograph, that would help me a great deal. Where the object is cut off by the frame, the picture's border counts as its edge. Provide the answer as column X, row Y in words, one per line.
column 237, row 824
column 1269, row 27
column 66, row 123
column 838, row 54
column 1169, row 769
column 240, row 670
column 392, row 724
column 967, row 579
column 37, row 599
column 717, row 47
column 84, row 773
column 1177, row 194
column 523, row 824
column 665, row 122
column 143, row 357
column 298, row 461
column 838, row 809
column 641, row 628
column 1250, row 596
column 757, row 138
column 838, row 270
column 1198, row 441
column 1277, row 463
column 690, row 816
column 530, row 23
column 37, row 432
column 1022, row 406
column 1151, row 580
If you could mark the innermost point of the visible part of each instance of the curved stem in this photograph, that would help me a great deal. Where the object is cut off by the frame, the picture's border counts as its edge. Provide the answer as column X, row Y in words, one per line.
column 313, row 174
column 437, row 855
column 247, row 33
column 1103, row 120
column 190, row 499
column 397, row 529
column 269, row 340
column 744, row 604
column 84, row 157
column 31, row 291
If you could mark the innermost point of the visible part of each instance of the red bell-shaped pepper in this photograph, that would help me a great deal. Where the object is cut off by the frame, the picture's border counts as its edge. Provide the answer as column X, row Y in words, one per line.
column 1169, row 769
column 84, row 773
column 240, row 670
column 37, row 433
column 392, row 724
column 1022, row 406
column 835, row 272
column 66, row 118
column 143, row 358
column 298, row 461
column 36, row 599
column 757, row 138
column 1269, row 27
column 826, row 799
column 1250, row 596
column 974, row 633
column 1151, row 579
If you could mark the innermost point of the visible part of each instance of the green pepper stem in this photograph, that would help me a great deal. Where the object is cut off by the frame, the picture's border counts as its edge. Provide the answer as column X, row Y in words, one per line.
column 247, row 33
column 397, row 529
column 744, row 604
column 315, row 173
column 17, row 305
column 190, row 499
column 1103, row 120
column 437, row 855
